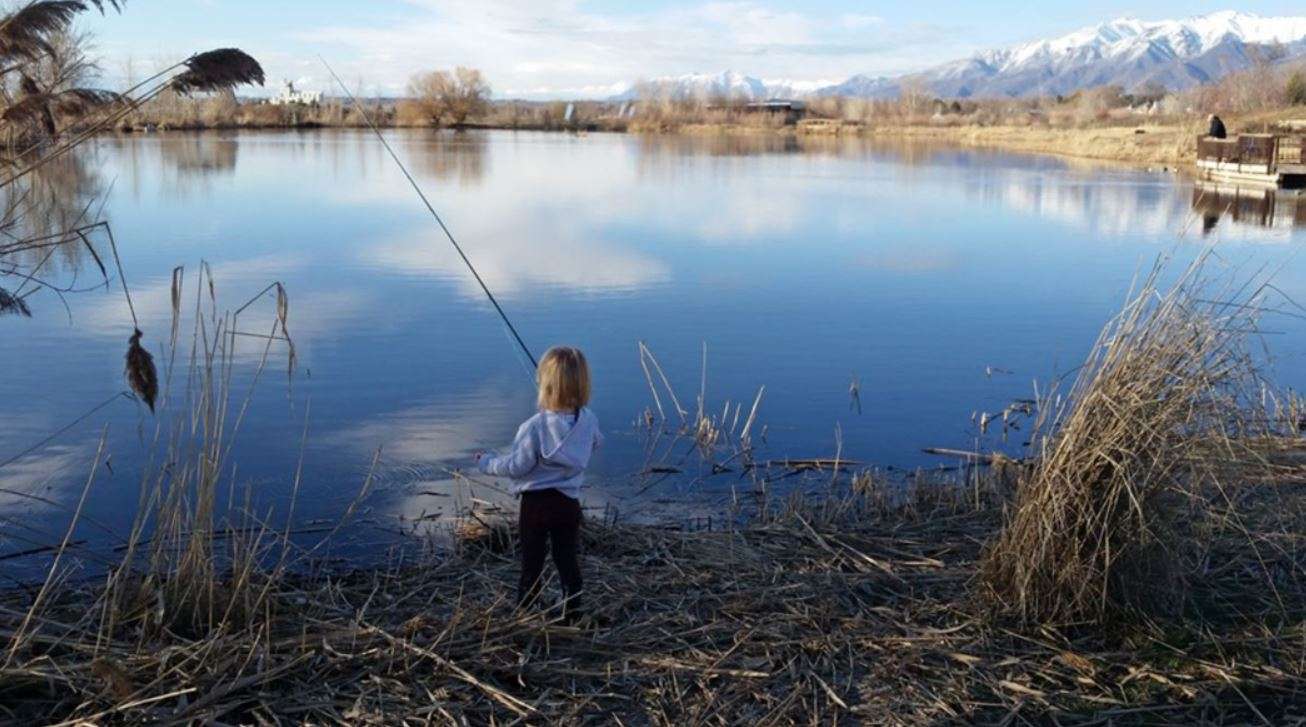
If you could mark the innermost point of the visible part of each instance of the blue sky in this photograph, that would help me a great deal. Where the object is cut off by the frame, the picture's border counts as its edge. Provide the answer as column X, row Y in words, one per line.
column 569, row 48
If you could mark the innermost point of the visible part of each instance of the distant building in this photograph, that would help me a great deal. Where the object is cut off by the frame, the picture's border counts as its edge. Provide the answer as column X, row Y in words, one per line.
column 777, row 105
column 289, row 96
column 792, row 111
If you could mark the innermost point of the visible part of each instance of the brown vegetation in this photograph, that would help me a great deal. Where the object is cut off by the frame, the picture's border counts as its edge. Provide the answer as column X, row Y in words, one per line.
column 858, row 603
column 1147, row 126
column 46, row 114
column 836, row 610
column 1161, row 420
column 448, row 97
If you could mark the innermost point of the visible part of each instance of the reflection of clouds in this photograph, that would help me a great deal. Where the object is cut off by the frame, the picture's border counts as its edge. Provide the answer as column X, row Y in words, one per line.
column 312, row 312
column 745, row 215
column 1109, row 205
column 418, row 442
column 1105, row 207
column 438, row 431
column 39, row 474
column 534, row 224
column 510, row 262
column 909, row 260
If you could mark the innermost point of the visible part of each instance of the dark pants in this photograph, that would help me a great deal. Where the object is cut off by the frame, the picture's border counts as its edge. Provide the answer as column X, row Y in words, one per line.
column 549, row 515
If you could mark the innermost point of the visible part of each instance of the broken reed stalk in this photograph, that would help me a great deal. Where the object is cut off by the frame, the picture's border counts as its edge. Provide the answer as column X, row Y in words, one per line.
column 173, row 576
column 1165, row 409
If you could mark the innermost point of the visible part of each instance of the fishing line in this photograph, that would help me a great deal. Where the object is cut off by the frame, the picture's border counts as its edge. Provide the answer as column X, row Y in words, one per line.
column 65, row 428
column 431, row 209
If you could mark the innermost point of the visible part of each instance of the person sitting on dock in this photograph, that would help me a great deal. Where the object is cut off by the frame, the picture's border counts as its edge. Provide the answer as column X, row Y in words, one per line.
column 1217, row 130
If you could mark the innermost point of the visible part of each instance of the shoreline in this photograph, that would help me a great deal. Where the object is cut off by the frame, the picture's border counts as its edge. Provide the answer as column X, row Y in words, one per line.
column 837, row 607
column 1170, row 146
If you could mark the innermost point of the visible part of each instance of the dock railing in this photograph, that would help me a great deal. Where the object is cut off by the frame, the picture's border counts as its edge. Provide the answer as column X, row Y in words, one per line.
column 1212, row 149
column 1291, row 150
column 1270, row 150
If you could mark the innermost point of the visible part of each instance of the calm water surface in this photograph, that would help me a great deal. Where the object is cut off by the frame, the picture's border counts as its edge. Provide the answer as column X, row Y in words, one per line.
column 944, row 281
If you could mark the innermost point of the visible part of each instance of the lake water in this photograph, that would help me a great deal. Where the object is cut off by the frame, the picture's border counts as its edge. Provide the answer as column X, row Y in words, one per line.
column 945, row 282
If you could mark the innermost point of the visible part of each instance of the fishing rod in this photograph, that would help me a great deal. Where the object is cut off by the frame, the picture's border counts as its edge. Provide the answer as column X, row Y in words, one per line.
column 431, row 209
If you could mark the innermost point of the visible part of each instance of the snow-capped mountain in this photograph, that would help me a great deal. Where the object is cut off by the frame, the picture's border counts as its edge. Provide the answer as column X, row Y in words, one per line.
column 1126, row 52
column 729, row 85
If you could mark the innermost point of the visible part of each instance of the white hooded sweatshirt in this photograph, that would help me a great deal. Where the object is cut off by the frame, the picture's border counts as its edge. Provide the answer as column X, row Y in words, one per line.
column 550, row 452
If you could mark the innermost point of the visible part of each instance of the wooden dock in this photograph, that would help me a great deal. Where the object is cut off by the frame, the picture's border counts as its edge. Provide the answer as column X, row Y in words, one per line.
column 1272, row 160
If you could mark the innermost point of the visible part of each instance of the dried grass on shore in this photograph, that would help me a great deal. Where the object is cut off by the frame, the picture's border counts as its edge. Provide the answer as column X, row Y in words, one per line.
column 1163, row 414
column 863, row 616
column 858, row 605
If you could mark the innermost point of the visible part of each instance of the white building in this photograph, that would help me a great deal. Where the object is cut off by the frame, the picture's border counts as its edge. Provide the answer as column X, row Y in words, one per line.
column 289, row 96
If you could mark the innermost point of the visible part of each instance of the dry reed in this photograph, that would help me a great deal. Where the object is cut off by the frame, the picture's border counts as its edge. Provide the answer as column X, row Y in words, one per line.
column 11, row 304
column 1163, row 413
column 854, row 606
column 831, row 612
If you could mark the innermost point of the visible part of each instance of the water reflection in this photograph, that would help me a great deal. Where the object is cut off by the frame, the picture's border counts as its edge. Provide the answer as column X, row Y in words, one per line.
column 801, row 261
column 457, row 156
column 201, row 154
column 57, row 197
column 1251, row 206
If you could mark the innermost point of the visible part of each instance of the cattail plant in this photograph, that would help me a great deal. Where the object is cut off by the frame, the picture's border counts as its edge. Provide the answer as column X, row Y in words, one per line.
column 141, row 373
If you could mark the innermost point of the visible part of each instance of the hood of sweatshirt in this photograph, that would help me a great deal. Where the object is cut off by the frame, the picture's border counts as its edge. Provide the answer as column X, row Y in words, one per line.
column 566, row 440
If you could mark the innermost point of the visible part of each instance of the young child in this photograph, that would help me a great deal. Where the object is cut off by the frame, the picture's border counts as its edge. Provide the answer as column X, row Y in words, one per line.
column 547, row 465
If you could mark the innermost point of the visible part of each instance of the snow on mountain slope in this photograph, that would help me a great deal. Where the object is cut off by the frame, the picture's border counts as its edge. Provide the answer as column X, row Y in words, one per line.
column 1127, row 52
column 728, row 84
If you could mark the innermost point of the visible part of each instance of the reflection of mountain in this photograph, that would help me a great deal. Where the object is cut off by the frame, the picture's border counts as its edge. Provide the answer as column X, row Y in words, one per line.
column 1253, row 206
column 510, row 261
column 422, row 443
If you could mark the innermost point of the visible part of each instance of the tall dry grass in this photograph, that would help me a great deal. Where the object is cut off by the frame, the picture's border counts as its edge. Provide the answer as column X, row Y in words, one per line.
column 199, row 559
column 1166, row 412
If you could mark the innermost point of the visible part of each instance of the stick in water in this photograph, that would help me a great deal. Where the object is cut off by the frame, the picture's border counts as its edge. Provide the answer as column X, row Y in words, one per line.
column 431, row 208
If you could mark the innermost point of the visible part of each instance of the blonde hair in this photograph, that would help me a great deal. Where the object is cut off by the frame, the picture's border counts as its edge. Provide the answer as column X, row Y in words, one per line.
column 564, row 379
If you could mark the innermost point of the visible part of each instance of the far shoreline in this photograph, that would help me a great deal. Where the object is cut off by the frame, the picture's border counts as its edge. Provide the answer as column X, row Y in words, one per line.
column 1169, row 146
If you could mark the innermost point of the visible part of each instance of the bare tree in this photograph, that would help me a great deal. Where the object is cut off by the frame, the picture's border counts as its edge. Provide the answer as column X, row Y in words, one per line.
column 913, row 96
column 1296, row 90
column 452, row 96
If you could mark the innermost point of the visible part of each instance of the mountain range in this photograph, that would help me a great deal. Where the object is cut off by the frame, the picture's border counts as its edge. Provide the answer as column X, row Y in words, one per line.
column 1127, row 52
